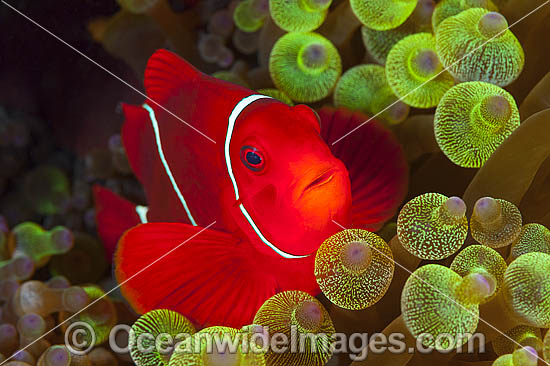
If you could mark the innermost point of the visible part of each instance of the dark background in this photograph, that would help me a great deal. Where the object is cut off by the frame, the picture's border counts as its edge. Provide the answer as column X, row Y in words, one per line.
column 76, row 99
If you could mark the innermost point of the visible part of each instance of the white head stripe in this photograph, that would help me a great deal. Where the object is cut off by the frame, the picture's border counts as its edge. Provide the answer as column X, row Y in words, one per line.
column 239, row 107
column 165, row 163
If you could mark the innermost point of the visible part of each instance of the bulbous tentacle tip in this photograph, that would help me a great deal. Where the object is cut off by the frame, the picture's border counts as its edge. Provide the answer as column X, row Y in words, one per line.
column 455, row 206
column 313, row 57
column 495, row 222
column 249, row 15
column 492, row 25
column 396, row 113
column 487, row 210
column 525, row 356
column 497, row 108
column 481, row 261
column 31, row 325
column 56, row 355
column 156, row 323
column 308, row 316
column 356, row 257
column 475, row 288
column 23, row 267
column 426, row 63
column 62, row 239
column 365, row 88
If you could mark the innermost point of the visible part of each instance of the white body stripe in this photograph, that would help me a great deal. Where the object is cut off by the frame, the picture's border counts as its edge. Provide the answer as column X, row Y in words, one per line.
column 142, row 213
column 239, row 107
column 154, row 122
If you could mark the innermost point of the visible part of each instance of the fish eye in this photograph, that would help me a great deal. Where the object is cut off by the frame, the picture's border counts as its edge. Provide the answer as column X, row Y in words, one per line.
column 252, row 158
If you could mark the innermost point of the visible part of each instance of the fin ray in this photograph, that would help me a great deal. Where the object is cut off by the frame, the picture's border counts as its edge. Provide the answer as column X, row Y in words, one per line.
column 375, row 161
column 196, row 277
column 165, row 73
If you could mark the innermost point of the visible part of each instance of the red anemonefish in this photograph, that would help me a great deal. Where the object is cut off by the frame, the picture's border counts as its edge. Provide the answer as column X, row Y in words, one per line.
column 271, row 183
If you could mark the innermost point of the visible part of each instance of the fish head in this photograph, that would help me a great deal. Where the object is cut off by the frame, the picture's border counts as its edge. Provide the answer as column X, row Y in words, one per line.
column 292, row 190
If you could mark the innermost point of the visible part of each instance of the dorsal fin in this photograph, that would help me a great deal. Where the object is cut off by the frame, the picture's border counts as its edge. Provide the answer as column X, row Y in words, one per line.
column 165, row 73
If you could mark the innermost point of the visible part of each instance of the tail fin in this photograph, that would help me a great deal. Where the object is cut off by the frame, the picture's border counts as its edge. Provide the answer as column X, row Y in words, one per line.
column 114, row 215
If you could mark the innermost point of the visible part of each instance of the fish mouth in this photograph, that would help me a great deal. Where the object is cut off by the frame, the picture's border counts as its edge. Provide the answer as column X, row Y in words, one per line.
column 322, row 179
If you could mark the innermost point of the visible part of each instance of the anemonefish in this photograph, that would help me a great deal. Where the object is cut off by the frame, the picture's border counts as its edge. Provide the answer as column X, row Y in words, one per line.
column 258, row 174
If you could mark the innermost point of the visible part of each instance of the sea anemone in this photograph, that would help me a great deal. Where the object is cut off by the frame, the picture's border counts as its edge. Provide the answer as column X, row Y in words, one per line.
column 19, row 268
column 100, row 315
column 525, row 356
column 249, row 15
column 383, row 15
column 33, row 241
column 206, row 348
column 277, row 94
column 146, row 330
column 365, row 88
column 522, row 335
column 448, row 8
column 432, row 225
column 299, row 15
column 297, row 311
column 438, row 301
column 36, row 297
column 527, row 286
column 354, row 268
column 476, row 45
column 482, row 260
column 379, row 42
column 305, row 66
column 532, row 238
column 415, row 73
column 495, row 222
column 471, row 121
column 84, row 263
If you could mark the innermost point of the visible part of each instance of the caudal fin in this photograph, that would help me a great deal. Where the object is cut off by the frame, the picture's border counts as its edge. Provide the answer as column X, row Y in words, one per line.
column 114, row 215
column 207, row 275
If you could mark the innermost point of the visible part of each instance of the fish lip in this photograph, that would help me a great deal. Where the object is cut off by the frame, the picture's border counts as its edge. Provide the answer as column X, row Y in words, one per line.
column 321, row 179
